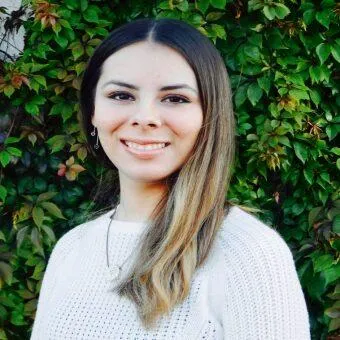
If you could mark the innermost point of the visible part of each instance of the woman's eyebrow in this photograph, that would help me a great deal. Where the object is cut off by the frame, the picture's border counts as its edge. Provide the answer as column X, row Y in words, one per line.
column 164, row 88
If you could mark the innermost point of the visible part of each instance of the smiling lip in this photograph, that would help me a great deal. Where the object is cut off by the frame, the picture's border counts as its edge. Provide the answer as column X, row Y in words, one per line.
column 144, row 154
column 144, row 141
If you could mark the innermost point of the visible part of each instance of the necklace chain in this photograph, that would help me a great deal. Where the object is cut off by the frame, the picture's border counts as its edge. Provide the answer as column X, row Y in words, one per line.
column 115, row 271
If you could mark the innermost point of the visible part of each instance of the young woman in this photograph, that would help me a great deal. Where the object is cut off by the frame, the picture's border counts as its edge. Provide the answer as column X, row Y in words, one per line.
column 171, row 259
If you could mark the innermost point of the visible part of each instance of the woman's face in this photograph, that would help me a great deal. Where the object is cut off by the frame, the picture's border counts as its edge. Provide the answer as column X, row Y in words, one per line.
column 147, row 111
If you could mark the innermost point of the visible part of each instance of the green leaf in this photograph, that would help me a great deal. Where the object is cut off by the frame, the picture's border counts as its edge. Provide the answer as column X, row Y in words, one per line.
column 332, row 130
column 284, row 140
column 3, row 193
column 83, row 5
column 71, row 4
column 323, row 196
column 36, row 240
column 254, row 93
column 322, row 262
column 14, row 151
column 335, row 50
column 254, row 5
column 327, row 3
column 42, row 81
column 56, row 143
column 297, row 209
column 90, row 14
column 165, row 5
column 77, row 51
column 323, row 51
column 315, row 96
column 281, row 10
column 183, row 6
column 332, row 274
column 21, row 235
column 64, row 109
column 80, row 68
column 52, row 209
column 46, row 196
column 308, row 173
column 61, row 40
column 56, row 28
column 39, row 184
column 8, row 90
column 309, row 16
column 5, row 158
column 299, row 94
column 256, row 39
column 336, row 224
column 218, row 3
column 241, row 95
column 324, row 18
column 252, row 136
column 301, row 151
column 213, row 16
column 336, row 151
column 32, row 106
column 314, row 215
column 32, row 109
column 11, row 140
column 49, row 232
column 325, row 177
column 269, row 12
column 219, row 31
column 38, row 216
column 264, row 83
column 317, row 286
column 203, row 5
column 252, row 52
column 65, row 23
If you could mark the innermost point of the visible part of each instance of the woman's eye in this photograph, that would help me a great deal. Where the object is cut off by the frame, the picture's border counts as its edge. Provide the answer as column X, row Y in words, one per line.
column 121, row 96
column 124, row 96
column 177, row 99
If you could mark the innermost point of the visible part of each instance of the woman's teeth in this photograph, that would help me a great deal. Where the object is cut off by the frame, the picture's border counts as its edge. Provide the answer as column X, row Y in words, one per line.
column 146, row 146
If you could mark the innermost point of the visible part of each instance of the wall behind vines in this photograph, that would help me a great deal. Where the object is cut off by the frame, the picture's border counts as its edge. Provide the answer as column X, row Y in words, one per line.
column 283, row 60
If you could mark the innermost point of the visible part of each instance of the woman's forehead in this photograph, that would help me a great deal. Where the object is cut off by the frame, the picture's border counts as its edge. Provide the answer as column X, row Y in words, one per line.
column 146, row 61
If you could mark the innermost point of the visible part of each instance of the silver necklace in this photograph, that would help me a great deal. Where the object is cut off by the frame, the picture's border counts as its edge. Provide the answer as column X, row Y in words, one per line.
column 114, row 272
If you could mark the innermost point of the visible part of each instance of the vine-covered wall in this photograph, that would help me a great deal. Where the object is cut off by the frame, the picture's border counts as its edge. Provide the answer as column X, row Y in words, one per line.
column 283, row 60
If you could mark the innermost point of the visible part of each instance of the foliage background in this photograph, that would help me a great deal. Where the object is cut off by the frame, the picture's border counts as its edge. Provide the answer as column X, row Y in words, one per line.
column 283, row 60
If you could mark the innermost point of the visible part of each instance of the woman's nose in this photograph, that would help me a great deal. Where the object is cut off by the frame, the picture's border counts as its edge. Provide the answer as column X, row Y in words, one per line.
column 146, row 116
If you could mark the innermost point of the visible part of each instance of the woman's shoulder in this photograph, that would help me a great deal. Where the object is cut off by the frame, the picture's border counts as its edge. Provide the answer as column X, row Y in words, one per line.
column 243, row 234
column 259, row 278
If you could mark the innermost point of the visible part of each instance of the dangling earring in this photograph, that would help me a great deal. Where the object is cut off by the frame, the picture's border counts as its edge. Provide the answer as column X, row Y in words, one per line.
column 93, row 133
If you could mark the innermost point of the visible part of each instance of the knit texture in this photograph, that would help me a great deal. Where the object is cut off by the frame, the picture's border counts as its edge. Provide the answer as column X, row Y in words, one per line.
column 247, row 289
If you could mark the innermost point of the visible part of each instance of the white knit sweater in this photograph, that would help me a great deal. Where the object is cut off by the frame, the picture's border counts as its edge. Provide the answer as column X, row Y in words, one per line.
column 248, row 289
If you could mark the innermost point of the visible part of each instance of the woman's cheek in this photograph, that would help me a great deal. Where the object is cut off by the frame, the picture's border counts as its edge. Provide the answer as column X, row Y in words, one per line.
column 185, row 124
column 106, row 116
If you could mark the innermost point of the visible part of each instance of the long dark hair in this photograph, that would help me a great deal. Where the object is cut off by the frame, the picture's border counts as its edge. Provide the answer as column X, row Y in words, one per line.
column 179, row 237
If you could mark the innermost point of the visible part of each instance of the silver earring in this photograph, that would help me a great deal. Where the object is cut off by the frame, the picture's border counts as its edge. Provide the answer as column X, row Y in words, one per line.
column 93, row 133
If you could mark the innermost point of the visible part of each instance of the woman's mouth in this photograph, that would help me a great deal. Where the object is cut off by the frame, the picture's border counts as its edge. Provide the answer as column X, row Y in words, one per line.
column 144, row 151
